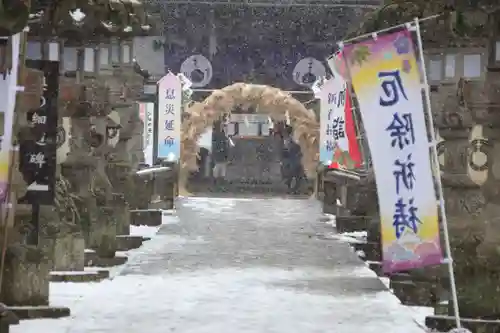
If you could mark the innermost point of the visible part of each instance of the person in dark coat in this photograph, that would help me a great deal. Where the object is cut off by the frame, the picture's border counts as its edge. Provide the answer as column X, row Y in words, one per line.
column 291, row 158
column 220, row 151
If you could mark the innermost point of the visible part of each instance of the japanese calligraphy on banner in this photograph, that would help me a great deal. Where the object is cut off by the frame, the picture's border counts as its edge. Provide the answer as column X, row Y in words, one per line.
column 38, row 155
column 386, row 78
column 339, row 146
column 147, row 114
column 169, row 117
column 8, row 85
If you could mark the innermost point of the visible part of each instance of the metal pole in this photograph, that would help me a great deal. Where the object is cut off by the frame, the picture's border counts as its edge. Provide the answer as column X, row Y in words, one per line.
column 394, row 27
column 156, row 131
column 437, row 175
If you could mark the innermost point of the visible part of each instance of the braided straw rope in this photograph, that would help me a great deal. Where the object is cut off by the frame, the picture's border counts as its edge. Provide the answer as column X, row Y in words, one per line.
column 267, row 100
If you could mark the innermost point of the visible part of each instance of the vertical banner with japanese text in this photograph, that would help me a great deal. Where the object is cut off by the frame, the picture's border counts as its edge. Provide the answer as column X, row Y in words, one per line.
column 37, row 155
column 338, row 141
column 386, row 79
column 169, row 117
column 147, row 114
column 8, row 89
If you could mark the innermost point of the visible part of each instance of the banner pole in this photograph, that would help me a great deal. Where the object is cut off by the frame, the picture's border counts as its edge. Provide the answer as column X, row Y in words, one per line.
column 350, row 40
column 437, row 172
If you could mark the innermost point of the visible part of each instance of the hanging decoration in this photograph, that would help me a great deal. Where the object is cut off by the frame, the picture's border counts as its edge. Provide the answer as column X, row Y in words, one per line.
column 308, row 71
column 198, row 69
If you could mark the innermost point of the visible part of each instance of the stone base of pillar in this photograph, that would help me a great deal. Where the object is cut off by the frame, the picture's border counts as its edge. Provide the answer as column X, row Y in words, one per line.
column 121, row 214
column 61, row 240
column 129, row 242
column 169, row 194
column 99, row 228
column 26, row 276
column 330, row 205
column 66, row 251
column 414, row 293
column 7, row 319
column 148, row 217
column 102, row 235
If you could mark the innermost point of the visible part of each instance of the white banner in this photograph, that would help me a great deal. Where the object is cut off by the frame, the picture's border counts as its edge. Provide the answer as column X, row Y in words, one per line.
column 386, row 77
column 149, row 118
column 332, row 125
column 8, row 90
column 169, row 117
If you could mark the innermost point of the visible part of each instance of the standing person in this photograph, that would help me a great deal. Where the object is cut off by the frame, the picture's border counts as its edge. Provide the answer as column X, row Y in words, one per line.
column 220, row 153
column 292, row 170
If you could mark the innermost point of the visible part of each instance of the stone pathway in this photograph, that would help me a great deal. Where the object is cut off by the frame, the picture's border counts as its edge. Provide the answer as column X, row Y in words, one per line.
column 236, row 265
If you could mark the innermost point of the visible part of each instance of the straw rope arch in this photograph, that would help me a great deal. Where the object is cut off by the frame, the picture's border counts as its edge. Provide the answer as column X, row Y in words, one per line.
column 266, row 100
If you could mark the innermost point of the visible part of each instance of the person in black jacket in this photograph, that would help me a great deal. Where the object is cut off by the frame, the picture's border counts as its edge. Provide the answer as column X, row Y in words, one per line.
column 291, row 158
column 220, row 152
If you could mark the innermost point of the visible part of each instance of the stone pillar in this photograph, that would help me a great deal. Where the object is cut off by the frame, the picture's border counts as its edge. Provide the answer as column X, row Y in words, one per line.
column 470, row 127
column 26, row 273
column 26, row 276
column 85, row 170
column 120, row 176
column 165, row 187
column 330, row 196
column 62, row 239
column 352, row 198
column 143, row 188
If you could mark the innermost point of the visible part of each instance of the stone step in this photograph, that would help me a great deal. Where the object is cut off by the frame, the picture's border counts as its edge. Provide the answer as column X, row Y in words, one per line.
column 151, row 218
column 106, row 262
column 245, row 187
column 79, row 276
column 447, row 323
column 128, row 242
column 37, row 312
column 352, row 223
column 413, row 293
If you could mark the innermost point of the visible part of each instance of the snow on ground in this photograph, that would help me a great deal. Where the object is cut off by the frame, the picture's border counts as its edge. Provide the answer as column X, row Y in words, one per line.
column 258, row 300
column 215, row 300
column 157, row 293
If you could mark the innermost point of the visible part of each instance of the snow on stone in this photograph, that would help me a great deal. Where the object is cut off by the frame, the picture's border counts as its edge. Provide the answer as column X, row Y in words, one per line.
column 143, row 231
column 344, row 238
column 361, row 253
column 331, row 219
column 72, row 272
column 361, row 235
